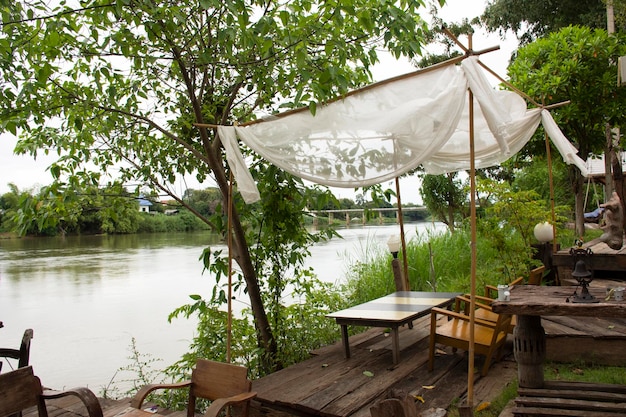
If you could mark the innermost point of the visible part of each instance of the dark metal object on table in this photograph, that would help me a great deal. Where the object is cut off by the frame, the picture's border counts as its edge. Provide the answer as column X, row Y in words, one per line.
column 582, row 274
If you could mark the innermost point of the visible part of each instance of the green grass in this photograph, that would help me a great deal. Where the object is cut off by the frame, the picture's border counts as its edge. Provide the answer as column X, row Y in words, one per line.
column 582, row 372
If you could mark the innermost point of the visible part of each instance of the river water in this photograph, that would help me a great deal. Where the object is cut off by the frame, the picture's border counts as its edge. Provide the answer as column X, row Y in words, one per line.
column 87, row 297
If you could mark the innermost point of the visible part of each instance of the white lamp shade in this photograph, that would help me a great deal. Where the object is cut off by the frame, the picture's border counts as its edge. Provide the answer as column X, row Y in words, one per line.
column 544, row 232
column 394, row 243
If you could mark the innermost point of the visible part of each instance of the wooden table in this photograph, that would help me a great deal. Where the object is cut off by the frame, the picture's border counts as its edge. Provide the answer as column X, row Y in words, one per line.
column 393, row 311
column 529, row 303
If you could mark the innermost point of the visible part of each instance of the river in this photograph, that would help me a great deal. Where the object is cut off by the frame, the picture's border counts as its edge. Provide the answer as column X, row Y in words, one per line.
column 87, row 297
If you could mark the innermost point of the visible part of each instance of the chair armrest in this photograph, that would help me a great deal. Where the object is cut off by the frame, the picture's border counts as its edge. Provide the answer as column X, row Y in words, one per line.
column 143, row 392
column 461, row 316
column 9, row 353
column 85, row 395
column 480, row 302
column 483, row 299
column 489, row 289
column 218, row 405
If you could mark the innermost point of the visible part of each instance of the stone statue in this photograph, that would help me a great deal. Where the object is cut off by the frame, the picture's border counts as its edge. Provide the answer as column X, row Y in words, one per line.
column 613, row 224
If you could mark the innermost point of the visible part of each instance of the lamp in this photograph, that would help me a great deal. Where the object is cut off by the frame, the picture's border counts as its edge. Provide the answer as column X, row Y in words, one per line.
column 544, row 232
column 394, row 245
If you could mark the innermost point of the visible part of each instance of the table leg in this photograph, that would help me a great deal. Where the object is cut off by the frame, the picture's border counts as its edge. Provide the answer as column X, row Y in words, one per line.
column 395, row 345
column 344, row 339
column 530, row 351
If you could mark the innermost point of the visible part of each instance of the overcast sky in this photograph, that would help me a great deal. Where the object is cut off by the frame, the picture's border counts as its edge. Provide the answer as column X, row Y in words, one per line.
column 26, row 173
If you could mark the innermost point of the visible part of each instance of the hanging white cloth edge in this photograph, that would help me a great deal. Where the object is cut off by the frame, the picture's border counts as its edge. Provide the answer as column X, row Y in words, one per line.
column 566, row 149
column 245, row 183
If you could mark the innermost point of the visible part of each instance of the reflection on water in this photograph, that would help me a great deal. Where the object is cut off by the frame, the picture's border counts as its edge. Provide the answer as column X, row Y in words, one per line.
column 87, row 296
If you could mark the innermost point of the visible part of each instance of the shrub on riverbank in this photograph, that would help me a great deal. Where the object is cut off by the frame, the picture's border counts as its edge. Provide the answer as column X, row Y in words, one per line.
column 180, row 222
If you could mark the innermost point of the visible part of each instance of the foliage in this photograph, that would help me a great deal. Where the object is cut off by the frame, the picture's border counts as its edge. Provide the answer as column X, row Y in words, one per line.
column 509, row 222
column 532, row 19
column 534, row 175
column 301, row 326
column 445, row 196
column 138, row 372
column 580, row 65
column 119, row 88
column 441, row 46
column 206, row 202
column 112, row 210
column 55, row 210
column 9, row 205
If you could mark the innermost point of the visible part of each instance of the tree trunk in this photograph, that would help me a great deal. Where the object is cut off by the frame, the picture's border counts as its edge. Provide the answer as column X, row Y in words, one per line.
column 241, row 255
column 580, row 203
column 609, row 154
column 618, row 182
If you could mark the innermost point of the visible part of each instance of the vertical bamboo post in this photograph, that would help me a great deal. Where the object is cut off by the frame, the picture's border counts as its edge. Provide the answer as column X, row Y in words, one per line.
column 230, row 270
column 551, row 184
column 405, row 262
column 469, row 410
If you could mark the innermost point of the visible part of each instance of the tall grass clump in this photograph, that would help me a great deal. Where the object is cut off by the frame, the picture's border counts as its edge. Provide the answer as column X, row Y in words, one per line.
column 437, row 261
column 368, row 273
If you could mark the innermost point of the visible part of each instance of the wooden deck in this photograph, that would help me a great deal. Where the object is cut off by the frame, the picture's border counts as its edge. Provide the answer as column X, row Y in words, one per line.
column 329, row 385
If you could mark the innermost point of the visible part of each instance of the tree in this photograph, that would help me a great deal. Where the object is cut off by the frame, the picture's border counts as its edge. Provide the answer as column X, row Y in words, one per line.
column 577, row 64
column 532, row 19
column 445, row 197
column 117, row 86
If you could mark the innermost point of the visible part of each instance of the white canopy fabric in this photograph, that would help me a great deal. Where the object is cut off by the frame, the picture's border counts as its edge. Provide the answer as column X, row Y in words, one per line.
column 384, row 131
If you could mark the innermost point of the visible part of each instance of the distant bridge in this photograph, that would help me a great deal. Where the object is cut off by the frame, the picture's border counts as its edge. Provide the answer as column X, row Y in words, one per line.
column 352, row 214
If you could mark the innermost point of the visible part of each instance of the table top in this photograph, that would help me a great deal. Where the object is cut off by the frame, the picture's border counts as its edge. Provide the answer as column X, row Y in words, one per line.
column 534, row 300
column 397, row 307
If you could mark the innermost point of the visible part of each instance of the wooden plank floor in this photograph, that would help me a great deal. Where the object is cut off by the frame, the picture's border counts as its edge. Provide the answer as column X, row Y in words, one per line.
column 328, row 385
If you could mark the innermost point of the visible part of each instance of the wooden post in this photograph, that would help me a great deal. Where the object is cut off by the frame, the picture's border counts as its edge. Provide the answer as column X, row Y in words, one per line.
column 529, row 348
column 403, row 406
column 398, row 276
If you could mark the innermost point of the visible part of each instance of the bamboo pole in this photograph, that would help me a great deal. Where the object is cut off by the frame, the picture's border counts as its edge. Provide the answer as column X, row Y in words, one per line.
column 229, row 324
column 405, row 262
column 469, row 410
column 551, row 184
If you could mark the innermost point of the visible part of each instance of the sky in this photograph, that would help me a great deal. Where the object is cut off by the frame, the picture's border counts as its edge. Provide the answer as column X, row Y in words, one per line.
column 26, row 173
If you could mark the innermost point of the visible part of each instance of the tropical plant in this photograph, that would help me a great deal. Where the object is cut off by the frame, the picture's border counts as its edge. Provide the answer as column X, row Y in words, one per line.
column 446, row 198
column 532, row 19
column 578, row 65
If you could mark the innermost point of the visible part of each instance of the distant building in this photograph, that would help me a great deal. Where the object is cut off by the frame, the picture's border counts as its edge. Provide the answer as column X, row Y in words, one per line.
column 144, row 205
